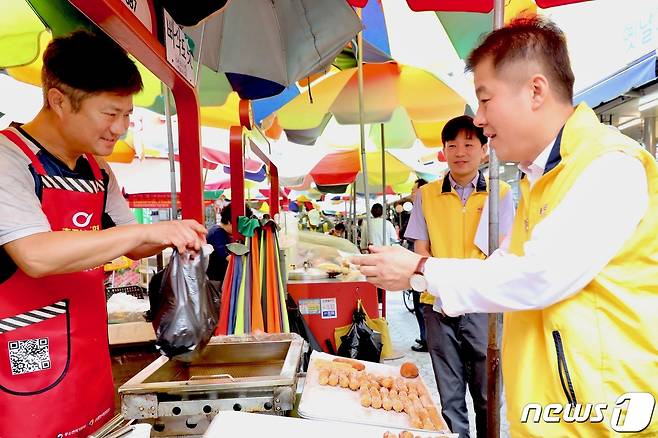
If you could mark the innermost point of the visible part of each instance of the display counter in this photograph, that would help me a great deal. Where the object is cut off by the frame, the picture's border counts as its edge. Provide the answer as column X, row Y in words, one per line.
column 329, row 303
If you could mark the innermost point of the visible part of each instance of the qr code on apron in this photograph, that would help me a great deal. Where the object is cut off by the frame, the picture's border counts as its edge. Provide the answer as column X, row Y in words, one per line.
column 29, row 356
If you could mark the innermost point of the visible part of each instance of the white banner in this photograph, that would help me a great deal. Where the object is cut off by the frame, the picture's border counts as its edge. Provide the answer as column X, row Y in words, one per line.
column 179, row 54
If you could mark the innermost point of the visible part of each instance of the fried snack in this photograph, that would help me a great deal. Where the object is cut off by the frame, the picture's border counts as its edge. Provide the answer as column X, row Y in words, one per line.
column 323, row 376
column 343, row 381
column 409, row 370
column 393, row 392
column 406, row 434
column 376, row 401
column 427, row 424
column 354, row 382
column 416, row 422
column 351, row 362
column 323, row 363
column 387, row 404
column 333, row 379
column 402, row 394
column 384, row 391
column 388, row 434
column 435, row 418
column 426, row 401
column 398, row 406
column 401, row 384
column 365, row 399
column 387, row 382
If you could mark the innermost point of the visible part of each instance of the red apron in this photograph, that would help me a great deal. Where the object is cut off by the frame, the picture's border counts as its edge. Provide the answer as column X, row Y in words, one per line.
column 55, row 373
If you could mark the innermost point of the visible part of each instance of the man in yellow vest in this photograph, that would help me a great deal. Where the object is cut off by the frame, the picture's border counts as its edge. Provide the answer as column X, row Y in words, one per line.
column 446, row 222
column 579, row 281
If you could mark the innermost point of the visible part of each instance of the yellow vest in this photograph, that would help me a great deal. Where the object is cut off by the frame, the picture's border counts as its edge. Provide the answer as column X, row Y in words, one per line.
column 451, row 226
column 603, row 341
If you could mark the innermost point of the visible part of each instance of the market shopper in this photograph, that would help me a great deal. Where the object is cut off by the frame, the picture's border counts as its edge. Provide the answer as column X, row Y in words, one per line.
column 376, row 236
column 579, row 282
column 448, row 221
column 62, row 216
column 219, row 236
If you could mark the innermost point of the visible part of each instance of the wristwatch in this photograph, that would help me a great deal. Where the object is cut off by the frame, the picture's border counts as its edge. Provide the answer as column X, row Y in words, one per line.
column 417, row 280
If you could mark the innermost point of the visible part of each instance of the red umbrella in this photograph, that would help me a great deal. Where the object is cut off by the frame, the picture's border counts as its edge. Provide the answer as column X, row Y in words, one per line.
column 482, row 6
column 337, row 168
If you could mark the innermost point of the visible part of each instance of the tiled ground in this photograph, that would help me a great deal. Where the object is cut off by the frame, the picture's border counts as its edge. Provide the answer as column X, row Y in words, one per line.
column 404, row 330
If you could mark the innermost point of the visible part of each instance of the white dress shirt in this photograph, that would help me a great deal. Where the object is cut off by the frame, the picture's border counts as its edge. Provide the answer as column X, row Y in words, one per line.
column 565, row 251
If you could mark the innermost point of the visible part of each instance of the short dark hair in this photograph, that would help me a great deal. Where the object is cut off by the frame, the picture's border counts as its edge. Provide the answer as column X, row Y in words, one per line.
column 377, row 210
column 225, row 214
column 462, row 124
column 529, row 38
column 420, row 182
column 83, row 63
column 339, row 226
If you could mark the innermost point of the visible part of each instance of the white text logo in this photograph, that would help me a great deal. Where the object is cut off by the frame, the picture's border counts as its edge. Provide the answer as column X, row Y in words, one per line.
column 86, row 218
column 632, row 412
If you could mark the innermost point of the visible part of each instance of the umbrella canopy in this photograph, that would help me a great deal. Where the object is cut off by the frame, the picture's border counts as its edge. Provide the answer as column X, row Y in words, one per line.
column 278, row 42
column 465, row 27
column 399, row 95
column 483, row 6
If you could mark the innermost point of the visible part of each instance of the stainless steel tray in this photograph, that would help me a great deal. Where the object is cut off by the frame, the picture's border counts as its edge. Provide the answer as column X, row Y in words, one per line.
column 251, row 373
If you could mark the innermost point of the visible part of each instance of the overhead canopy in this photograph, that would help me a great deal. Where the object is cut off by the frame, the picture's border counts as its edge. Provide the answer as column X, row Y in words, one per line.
column 632, row 76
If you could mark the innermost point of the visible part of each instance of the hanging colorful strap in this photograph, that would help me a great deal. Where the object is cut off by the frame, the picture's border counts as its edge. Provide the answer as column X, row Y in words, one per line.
column 222, row 325
column 257, row 323
column 285, row 327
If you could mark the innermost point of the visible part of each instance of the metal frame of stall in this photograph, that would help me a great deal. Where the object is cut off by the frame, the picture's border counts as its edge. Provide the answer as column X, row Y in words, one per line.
column 123, row 25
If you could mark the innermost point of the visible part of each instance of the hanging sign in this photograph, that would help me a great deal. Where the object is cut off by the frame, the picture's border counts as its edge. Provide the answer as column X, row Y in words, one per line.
column 141, row 10
column 179, row 54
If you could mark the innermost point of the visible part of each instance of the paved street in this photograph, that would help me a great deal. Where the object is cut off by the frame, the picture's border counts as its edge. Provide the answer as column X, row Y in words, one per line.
column 404, row 330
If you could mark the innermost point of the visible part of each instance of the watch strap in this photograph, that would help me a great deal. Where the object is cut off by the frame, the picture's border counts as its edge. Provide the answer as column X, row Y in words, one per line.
column 420, row 268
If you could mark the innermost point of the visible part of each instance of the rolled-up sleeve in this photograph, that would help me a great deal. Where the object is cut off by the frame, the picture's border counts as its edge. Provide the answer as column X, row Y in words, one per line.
column 564, row 253
column 417, row 227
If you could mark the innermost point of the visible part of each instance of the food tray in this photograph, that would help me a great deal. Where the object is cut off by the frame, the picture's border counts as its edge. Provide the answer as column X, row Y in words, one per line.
column 339, row 404
column 243, row 424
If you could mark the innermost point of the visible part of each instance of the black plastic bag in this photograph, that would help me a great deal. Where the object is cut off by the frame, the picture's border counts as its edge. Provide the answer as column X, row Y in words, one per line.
column 361, row 342
column 186, row 308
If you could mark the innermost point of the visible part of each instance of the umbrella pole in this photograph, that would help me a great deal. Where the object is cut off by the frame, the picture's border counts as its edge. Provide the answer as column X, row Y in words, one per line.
column 355, row 232
column 495, row 319
column 170, row 143
column 362, row 128
column 384, row 185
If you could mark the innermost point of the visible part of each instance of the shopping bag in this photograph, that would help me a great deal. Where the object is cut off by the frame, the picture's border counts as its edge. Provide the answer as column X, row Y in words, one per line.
column 379, row 325
column 360, row 342
column 186, row 307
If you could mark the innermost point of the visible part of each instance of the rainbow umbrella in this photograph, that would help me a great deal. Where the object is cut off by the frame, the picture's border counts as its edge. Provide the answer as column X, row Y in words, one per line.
column 399, row 95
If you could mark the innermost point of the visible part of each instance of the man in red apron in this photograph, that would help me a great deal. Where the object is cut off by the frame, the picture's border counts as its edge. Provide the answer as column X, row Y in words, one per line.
column 62, row 217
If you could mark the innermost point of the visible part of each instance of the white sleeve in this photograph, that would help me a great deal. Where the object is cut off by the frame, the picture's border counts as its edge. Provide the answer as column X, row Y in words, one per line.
column 505, row 221
column 20, row 209
column 391, row 233
column 116, row 206
column 564, row 253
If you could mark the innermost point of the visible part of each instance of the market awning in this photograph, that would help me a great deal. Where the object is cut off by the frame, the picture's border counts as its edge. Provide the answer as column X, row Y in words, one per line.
column 632, row 76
